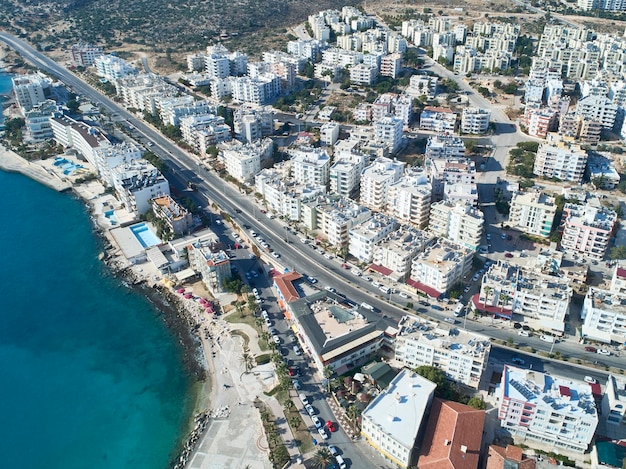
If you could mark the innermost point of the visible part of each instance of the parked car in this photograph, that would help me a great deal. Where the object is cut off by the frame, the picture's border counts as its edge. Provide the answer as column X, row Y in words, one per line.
column 331, row 426
column 523, row 333
column 503, row 236
column 450, row 320
column 330, row 289
column 323, row 433
column 276, row 339
column 316, row 421
column 312, row 279
column 591, row 349
column 437, row 307
column 467, row 288
column 296, row 350
column 475, row 277
column 517, row 361
column 303, row 399
column 603, row 351
column 333, row 450
column 508, row 255
column 403, row 295
column 547, row 338
column 590, row 380
column 309, row 409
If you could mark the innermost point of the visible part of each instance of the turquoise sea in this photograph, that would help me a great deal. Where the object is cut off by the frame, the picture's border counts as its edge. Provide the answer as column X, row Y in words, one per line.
column 5, row 88
column 89, row 375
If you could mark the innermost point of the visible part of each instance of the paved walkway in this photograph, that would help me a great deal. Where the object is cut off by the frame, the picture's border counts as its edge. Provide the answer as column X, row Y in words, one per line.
column 12, row 162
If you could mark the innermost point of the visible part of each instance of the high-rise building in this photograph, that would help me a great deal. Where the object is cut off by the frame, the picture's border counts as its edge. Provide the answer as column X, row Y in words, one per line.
column 532, row 213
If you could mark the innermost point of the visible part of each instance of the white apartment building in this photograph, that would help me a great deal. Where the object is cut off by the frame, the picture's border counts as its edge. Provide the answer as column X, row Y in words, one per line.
column 37, row 122
column 364, row 237
column 107, row 157
column 345, row 173
column 388, row 131
column 363, row 74
column 510, row 289
column 604, row 316
column 30, row 90
column 78, row 135
column 602, row 172
column 137, row 183
column 475, row 120
column 462, row 356
column 376, row 179
column 212, row 264
column 449, row 171
column 259, row 90
column 532, row 213
column 329, row 133
column 393, row 424
column 251, row 123
column 408, row 199
column 461, row 193
column 390, row 65
column 202, row 131
column 587, row 229
column 335, row 217
column 142, row 92
column 445, row 146
column 399, row 106
column 536, row 408
column 305, row 49
column 173, row 108
column 242, row 162
column 84, row 55
column 440, row 267
column 459, row 223
column 394, row 254
column 598, row 108
column 178, row 219
column 618, row 281
column 422, row 85
column 436, row 119
column 113, row 68
column 310, row 165
column 614, row 401
column 561, row 159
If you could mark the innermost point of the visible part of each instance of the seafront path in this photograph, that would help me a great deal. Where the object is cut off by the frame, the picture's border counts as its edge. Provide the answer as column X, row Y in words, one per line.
column 12, row 162
column 234, row 437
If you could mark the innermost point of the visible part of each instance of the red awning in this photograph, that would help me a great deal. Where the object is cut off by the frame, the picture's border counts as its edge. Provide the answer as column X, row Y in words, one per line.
column 380, row 269
column 596, row 390
column 495, row 310
column 565, row 391
column 430, row 291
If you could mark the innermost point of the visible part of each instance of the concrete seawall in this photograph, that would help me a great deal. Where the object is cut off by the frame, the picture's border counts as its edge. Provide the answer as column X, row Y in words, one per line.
column 12, row 162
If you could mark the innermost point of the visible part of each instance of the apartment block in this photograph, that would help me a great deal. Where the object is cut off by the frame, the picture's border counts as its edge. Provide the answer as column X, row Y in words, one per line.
column 462, row 356
column 394, row 254
column 329, row 133
column 561, row 159
column 618, row 280
column 376, row 179
column 84, row 55
column 336, row 216
column 509, row 289
column 113, row 68
column 408, row 199
column 107, row 157
column 172, row 108
column 602, row 172
column 345, row 173
column 143, row 92
column 252, row 123
column 30, row 90
column 363, row 74
column 475, row 120
column 310, row 165
column 70, row 133
column 445, row 146
column 614, row 401
column 457, row 222
column 532, row 213
column 587, row 229
column 388, row 131
column 422, row 85
column 540, row 121
column 599, row 109
column 137, row 183
column 211, row 263
column 449, row 171
column 536, row 408
column 393, row 424
column 440, row 267
column 203, row 131
column 390, row 65
column 37, row 122
column 435, row 119
column 604, row 316
column 364, row 237
column 176, row 217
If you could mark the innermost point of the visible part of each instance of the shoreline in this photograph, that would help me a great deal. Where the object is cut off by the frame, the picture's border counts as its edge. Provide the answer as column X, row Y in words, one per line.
column 169, row 307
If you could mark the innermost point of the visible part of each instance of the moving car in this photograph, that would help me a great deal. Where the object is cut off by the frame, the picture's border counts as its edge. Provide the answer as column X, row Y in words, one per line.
column 523, row 333
column 547, row 338
column 603, row 351
column 591, row 349
column 403, row 295
column 330, row 289
column 450, row 320
column 276, row 255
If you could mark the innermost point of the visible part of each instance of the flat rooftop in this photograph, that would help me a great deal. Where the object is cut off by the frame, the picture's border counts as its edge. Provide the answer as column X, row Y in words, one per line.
column 400, row 409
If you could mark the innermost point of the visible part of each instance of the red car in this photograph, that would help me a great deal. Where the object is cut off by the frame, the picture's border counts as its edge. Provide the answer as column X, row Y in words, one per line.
column 331, row 426
column 508, row 254
column 591, row 349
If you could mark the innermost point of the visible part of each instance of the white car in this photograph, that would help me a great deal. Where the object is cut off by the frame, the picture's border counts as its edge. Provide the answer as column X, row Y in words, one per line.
column 450, row 320
column 403, row 295
column 276, row 255
column 523, row 333
column 330, row 289
column 254, row 233
column 303, row 398
column 309, row 409
column 316, row 421
column 590, row 380
column 323, row 433
column 603, row 351
column 333, row 450
column 328, row 256
column 276, row 339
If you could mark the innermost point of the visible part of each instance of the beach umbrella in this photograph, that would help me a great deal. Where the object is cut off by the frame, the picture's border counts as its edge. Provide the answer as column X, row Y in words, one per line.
column 188, row 296
column 180, row 290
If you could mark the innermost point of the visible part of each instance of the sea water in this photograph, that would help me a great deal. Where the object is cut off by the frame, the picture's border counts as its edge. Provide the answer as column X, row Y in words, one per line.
column 89, row 375
column 5, row 88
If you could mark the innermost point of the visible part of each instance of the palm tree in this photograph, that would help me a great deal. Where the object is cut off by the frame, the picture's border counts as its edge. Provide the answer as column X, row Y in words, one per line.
column 248, row 361
column 322, row 458
column 487, row 290
column 289, row 404
column 328, row 371
column 258, row 322
column 294, row 422
column 504, row 299
column 353, row 414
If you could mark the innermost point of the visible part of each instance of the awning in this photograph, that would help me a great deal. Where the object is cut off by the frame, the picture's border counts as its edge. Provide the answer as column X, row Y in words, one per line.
column 430, row 291
column 157, row 258
column 184, row 274
column 495, row 310
column 380, row 269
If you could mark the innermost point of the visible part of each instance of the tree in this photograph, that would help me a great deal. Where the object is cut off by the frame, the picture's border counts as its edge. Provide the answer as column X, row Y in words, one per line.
column 618, row 252
column 328, row 371
column 248, row 361
column 322, row 458
column 353, row 414
column 477, row 402
column 294, row 422
column 234, row 285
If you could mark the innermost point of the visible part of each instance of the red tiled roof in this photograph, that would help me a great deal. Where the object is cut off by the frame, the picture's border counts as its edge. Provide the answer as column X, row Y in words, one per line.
column 284, row 283
column 438, row 109
column 430, row 291
column 498, row 455
column 496, row 310
column 381, row 269
column 453, row 437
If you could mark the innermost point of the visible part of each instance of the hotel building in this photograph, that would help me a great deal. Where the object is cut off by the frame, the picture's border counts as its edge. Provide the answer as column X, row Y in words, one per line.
column 211, row 263
column 177, row 218
column 137, row 183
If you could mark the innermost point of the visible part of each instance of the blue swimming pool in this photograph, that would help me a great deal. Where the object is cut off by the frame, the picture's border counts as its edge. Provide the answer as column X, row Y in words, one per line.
column 145, row 235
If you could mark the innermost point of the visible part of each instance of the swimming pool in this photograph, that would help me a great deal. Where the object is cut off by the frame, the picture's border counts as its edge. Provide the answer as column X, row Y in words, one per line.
column 145, row 235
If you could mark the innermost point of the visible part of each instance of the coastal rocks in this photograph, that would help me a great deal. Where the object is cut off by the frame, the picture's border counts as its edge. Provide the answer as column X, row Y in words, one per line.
column 201, row 422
